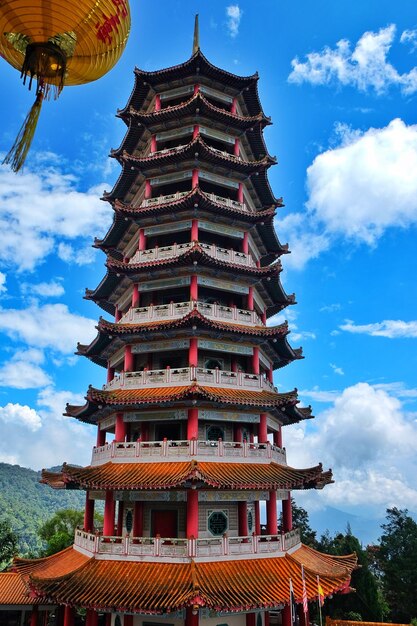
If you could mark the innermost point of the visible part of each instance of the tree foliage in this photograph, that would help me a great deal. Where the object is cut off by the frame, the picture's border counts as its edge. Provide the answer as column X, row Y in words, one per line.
column 8, row 543
column 58, row 532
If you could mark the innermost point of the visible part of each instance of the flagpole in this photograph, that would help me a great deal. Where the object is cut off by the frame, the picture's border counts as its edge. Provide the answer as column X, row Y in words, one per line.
column 319, row 600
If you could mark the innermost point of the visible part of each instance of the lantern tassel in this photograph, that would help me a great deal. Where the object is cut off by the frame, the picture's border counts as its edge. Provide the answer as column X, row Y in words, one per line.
column 18, row 152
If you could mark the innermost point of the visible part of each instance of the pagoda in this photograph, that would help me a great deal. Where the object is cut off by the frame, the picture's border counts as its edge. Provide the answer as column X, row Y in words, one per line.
column 189, row 447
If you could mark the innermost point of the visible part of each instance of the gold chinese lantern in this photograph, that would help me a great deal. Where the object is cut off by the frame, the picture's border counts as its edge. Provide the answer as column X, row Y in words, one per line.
column 59, row 42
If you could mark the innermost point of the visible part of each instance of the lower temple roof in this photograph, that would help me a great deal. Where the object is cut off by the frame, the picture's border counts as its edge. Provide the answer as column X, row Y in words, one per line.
column 172, row 474
column 157, row 588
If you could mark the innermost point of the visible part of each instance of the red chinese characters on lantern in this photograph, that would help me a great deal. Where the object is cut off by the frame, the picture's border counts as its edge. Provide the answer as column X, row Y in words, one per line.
column 110, row 24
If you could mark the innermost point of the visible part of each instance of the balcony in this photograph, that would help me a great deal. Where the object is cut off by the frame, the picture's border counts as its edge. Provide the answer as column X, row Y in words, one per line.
column 167, row 450
column 150, row 548
column 173, row 197
column 169, row 252
column 177, row 310
column 182, row 376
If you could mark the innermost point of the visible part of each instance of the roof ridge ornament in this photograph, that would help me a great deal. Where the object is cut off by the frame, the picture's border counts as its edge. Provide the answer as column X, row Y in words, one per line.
column 196, row 40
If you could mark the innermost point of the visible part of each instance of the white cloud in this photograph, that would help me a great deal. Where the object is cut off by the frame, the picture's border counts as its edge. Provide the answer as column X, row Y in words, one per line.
column 392, row 329
column 330, row 308
column 43, row 209
column 23, row 372
column 295, row 334
column 19, row 415
column 409, row 37
column 49, row 326
column 52, row 289
column 364, row 67
column 337, row 370
column 81, row 256
column 234, row 15
column 3, row 287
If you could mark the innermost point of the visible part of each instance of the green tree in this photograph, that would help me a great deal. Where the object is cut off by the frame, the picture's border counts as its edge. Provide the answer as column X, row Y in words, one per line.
column 8, row 543
column 58, row 531
column 300, row 520
column 396, row 558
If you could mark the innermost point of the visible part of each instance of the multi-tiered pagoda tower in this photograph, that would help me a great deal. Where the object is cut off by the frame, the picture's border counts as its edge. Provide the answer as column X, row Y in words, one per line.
column 189, row 423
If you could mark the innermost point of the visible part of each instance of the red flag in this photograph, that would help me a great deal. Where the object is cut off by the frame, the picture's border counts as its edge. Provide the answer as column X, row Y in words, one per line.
column 305, row 599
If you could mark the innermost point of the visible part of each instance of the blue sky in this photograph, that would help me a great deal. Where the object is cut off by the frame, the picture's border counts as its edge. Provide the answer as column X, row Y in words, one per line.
column 340, row 82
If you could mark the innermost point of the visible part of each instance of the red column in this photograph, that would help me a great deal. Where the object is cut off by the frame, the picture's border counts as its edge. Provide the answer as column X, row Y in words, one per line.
column 271, row 514
column 153, row 143
column 194, row 288
column 255, row 360
column 270, row 375
column 240, row 193
column 263, row 429
column 257, row 518
column 250, row 619
column 91, row 617
column 135, row 296
column 194, row 180
column 194, row 230
column 142, row 240
column 196, row 131
column 243, row 519
column 128, row 620
column 192, row 424
column 148, row 189
column 108, row 619
column 129, row 359
column 117, row 314
column 233, row 365
column 101, row 437
column 144, row 430
column 68, row 616
column 34, row 616
column 237, row 433
column 109, row 508
column 266, row 618
column 157, row 102
column 120, row 429
column 234, row 106
column 191, row 616
column 250, row 299
column 236, row 147
column 286, row 615
column 287, row 514
column 193, row 352
column 88, row 513
column 245, row 243
column 263, row 317
column 138, row 519
column 110, row 373
column 278, row 437
column 120, row 512
column 192, row 513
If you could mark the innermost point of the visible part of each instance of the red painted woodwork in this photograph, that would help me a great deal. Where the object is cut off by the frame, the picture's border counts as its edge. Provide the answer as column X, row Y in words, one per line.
column 266, row 618
column 129, row 359
column 257, row 518
column 263, row 429
column 148, row 189
column 101, row 437
column 196, row 131
column 243, row 519
column 88, row 513
column 128, row 620
column 34, row 616
column 270, row 375
column 287, row 514
column 191, row 617
column 194, row 230
column 120, row 430
column 278, row 437
column 120, row 512
column 193, row 352
column 237, row 432
column 194, row 180
column 135, row 296
column 110, row 374
column 263, row 317
column 164, row 523
column 236, row 147
column 240, row 193
column 233, row 367
column 255, row 360
column 157, row 102
column 233, row 108
column 250, row 299
column 68, row 616
column 192, row 513
column 271, row 514
column 142, row 238
column 286, row 614
column 138, row 519
column 108, row 619
column 194, row 288
column 245, row 243
column 250, row 619
column 91, row 618
column 117, row 314
column 196, row 88
column 153, row 144
column 192, row 423
column 109, row 509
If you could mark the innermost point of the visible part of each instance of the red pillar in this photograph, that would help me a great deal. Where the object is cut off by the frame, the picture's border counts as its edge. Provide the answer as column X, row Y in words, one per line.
column 250, row 299
column 263, row 429
column 250, row 619
column 88, row 513
column 236, row 147
column 270, row 375
column 233, row 366
column 128, row 620
column 34, row 616
column 153, row 143
column 287, row 514
column 157, row 102
column 129, row 359
column 110, row 373
column 135, row 296
column 266, row 618
column 245, row 243
column 69, row 616
column 237, row 433
column 138, row 519
column 108, row 619
column 243, row 519
column 142, row 240
column 191, row 616
column 255, row 360
column 192, row 513
column 101, row 437
column 278, row 437
column 192, row 424
column 271, row 514
column 263, row 317
column 233, row 108
column 120, row 429
column 91, row 617
column 286, row 615
column 240, row 193
column 194, row 230
column 109, row 508
column 148, row 189
column 196, row 131
column 194, row 288
column 194, row 180
column 193, row 352
column 120, row 511
column 117, row 314
column 196, row 88
column 257, row 518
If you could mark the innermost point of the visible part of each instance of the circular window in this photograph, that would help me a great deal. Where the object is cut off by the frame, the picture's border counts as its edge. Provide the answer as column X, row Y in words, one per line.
column 214, row 433
column 217, row 523
column 250, row 522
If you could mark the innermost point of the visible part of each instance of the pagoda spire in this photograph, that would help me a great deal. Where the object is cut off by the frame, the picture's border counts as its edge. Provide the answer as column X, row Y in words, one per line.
column 196, row 40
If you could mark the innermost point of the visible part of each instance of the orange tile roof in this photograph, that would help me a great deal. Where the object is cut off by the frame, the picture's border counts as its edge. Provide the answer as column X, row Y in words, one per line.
column 223, row 585
column 165, row 475
column 14, row 591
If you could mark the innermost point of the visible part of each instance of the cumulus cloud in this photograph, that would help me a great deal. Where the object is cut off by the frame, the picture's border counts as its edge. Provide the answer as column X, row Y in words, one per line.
column 409, row 37
column 23, row 371
column 3, row 287
column 290, row 316
column 337, row 370
column 392, row 329
column 234, row 15
column 20, row 416
column 53, row 289
column 50, row 326
column 364, row 66
column 44, row 208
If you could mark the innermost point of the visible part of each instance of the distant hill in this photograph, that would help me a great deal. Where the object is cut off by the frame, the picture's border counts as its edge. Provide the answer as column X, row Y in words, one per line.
column 27, row 504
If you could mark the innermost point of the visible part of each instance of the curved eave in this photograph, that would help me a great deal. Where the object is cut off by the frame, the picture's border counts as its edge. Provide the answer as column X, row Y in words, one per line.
column 123, row 184
column 137, row 98
column 131, row 139
column 101, row 294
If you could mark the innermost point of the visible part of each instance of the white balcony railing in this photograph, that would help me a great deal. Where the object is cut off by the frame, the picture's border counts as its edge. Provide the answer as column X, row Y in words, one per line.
column 149, row 379
column 144, row 451
column 173, row 197
column 142, row 548
column 176, row 249
column 176, row 310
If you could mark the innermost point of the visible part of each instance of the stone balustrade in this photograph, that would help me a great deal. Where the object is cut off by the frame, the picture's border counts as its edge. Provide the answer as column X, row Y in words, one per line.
column 143, row 548
column 167, row 450
column 176, row 249
column 176, row 310
column 181, row 376
column 173, row 197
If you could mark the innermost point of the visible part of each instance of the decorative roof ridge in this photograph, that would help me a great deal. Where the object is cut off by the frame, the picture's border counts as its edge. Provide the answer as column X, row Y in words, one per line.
column 125, row 157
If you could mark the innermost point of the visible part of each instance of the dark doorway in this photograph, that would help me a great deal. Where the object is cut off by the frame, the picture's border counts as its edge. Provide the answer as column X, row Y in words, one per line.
column 167, row 430
column 164, row 523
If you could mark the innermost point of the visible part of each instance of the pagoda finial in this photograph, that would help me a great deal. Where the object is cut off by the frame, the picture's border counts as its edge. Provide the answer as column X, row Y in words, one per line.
column 196, row 40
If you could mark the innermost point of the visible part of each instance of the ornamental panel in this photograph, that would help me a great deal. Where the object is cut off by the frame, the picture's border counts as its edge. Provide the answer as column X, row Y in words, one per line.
column 160, row 346
column 172, row 227
column 167, row 283
column 228, row 416
column 224, row 285
column 223, row 346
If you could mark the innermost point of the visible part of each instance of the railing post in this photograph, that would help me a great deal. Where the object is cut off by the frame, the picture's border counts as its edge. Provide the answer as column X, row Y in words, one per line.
column 126, row 545
column 245, row 449
column 255, row 543
column 221, row 448
column 112, row 453
column 157, row 545
column 268, row 449
column 164, row 446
